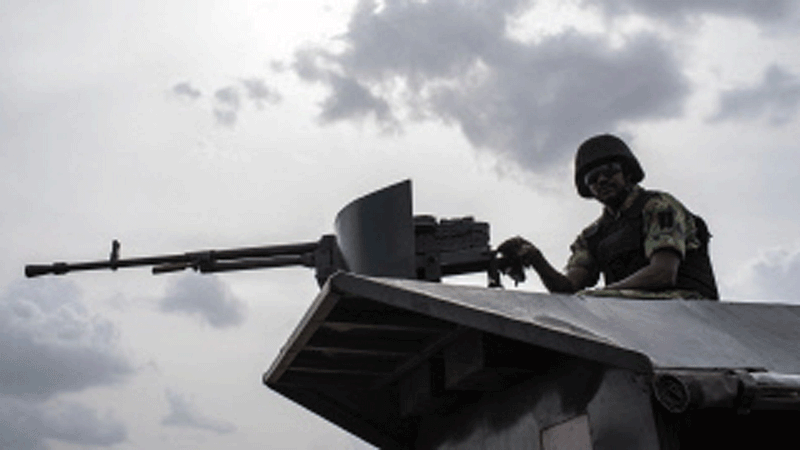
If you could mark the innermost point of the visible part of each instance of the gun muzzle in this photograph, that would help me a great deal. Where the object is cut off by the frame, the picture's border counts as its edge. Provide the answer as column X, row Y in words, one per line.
column 35, row 270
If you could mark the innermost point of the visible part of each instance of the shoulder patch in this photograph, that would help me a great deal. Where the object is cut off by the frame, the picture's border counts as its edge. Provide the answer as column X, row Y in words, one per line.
column 666, row 219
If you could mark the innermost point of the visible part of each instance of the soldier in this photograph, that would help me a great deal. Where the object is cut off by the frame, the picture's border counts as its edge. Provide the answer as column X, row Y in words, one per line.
column 646, row 243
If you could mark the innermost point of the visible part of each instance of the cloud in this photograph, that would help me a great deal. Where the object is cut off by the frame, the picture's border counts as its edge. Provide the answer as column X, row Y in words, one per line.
column 681, row 10
column 777, row 97
column 206, row 297
column 260, row 93
column 225, row 117
column 453, row 61
column 185, row 89
column 228, row 96
column 228, row 100
column 351, row 99
column 51, row 343
column 26, row 426
column 277, row 66
column 773, row 275
column 182, row 413
column 227, row 106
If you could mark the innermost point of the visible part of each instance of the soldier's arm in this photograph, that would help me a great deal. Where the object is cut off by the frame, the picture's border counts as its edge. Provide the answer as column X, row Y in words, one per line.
column 667, row 228
column 661, row 273
column 575, row 279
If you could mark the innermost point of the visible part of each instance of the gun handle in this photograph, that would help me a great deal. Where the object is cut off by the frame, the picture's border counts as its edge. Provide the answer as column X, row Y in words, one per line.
column 170, row 267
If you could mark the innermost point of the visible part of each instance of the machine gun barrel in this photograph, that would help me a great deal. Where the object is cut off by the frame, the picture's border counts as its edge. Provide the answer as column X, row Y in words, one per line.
column 203, row 261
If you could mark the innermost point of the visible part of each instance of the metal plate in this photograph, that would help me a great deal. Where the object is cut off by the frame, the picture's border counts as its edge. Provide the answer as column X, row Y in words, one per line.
column 376, row 233
column 667, row 333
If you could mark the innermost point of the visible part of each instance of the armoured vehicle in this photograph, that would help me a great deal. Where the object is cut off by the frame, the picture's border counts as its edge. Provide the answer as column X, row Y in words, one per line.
column 393, row 356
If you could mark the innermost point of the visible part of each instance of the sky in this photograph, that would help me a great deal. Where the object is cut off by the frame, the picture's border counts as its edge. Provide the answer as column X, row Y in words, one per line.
column 184, row 125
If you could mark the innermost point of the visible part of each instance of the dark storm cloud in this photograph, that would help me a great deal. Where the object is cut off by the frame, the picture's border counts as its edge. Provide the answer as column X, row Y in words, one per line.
column 350, row 99
column 182, row 413
column 51, row 343
column 777, row 98
column 26, row 426
column 260, row 93
column 540, row 102
column 186, row 90
column 452, row 60
column 759, row 11
column 205, row 296
column 423, row 40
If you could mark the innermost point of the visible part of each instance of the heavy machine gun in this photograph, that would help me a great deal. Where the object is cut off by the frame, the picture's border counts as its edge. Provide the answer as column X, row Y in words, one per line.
column 309, row 254
column 375, row 235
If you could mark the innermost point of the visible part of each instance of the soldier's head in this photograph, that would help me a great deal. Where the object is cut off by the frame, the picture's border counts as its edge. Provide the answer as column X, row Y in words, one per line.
column 605, row 169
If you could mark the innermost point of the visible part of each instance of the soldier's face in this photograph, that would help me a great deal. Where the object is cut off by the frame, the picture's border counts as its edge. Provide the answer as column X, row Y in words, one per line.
column 608, row 184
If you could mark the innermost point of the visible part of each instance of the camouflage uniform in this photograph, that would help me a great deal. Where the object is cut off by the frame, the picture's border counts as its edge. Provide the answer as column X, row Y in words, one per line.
column 667, row 224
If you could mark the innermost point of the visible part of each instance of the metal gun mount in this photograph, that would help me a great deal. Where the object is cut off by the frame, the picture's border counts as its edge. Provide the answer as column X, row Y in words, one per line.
column 375, row 235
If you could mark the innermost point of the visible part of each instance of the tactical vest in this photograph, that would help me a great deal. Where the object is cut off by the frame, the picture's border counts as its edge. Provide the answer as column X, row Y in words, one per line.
column 618, row 247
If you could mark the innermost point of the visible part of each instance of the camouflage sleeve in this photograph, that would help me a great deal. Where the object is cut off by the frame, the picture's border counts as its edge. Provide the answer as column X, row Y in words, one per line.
column 668, row 225
column 582, row 258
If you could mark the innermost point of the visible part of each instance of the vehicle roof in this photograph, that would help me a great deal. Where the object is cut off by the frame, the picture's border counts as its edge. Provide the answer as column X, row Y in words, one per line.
column 362, row 334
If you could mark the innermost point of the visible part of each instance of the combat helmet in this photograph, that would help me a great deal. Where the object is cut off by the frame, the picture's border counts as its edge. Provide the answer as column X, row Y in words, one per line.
column 601, row 149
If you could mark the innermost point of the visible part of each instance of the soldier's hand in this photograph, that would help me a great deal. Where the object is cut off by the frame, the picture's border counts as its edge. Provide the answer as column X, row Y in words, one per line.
column 516, row 252
column 519, row 249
